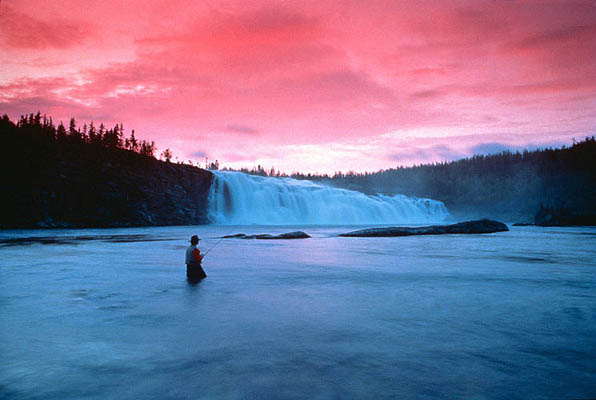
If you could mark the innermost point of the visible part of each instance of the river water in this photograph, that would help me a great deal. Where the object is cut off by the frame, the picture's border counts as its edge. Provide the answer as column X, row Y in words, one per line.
column 98, row 314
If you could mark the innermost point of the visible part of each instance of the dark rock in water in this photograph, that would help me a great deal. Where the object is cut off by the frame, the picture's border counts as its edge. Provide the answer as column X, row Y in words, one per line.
column 236, row 236
column 292, row 235
column 289, row 235
column 479, row 226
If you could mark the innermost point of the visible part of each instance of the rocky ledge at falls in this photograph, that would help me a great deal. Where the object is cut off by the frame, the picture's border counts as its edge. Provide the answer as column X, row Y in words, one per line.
column 479, row 226
column 88, row 187
column 289, row 235
column 78, row 179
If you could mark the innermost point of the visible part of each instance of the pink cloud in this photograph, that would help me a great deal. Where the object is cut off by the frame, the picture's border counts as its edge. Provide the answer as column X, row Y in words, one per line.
column 21, row 31
column 277, row 78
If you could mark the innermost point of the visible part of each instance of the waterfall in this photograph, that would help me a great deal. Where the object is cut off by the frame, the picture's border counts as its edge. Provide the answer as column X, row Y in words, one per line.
column 236, row 198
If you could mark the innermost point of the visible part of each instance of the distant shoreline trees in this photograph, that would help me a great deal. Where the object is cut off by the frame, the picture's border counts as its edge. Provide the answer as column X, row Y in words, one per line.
column 540, row 185
column 445, row 170
column 114, row 138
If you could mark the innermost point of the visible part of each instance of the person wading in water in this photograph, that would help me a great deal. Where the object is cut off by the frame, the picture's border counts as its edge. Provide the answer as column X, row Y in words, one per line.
column 194, row 270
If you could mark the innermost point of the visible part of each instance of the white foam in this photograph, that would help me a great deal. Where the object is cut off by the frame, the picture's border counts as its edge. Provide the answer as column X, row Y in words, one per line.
column 238, row 198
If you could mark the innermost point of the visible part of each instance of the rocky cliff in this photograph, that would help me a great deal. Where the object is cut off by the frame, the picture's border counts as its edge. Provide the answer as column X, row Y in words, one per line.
column 81, row 186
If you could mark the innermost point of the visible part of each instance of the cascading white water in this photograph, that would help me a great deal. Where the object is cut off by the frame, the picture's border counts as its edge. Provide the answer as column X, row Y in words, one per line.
column 240, row 199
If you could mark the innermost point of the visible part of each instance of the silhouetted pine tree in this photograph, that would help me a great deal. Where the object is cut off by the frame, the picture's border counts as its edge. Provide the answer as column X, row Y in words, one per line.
column 61, row 133
column 100, row 133
column 147, row 149
column 92, row 134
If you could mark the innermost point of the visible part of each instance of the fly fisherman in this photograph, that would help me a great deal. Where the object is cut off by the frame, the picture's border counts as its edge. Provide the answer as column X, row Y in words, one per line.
column 194, row 271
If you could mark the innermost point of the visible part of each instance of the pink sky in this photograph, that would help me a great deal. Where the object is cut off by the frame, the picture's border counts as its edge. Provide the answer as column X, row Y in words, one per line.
column 309, row 85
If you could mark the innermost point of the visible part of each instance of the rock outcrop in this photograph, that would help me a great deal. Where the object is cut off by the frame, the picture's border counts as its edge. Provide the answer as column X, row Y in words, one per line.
column 57, row 179
column 479, row 226
column 289, row 235
column 103, row 188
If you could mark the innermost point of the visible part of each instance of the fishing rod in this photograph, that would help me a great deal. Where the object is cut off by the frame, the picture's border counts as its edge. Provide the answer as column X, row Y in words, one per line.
column 216, row 243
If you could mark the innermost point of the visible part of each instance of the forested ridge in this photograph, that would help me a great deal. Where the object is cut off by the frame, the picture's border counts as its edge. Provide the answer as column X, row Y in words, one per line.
column 93, row 177
column 548, row 186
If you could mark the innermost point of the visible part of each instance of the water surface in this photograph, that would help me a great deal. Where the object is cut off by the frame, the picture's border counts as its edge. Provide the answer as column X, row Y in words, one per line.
column 108, row 313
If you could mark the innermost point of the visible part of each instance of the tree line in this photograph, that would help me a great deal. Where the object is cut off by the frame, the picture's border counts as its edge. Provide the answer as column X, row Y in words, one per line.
column 515, row 185
column 44, row 129
column 60, row 175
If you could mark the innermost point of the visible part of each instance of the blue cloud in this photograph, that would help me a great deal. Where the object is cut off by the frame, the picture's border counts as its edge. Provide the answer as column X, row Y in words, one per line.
column 240, row 129
column 434, row 153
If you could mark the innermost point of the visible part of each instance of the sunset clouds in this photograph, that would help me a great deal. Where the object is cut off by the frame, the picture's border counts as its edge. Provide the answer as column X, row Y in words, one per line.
column 309, row 86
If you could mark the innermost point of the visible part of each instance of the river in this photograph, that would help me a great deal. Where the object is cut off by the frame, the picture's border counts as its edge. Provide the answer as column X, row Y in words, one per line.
column 108, row 313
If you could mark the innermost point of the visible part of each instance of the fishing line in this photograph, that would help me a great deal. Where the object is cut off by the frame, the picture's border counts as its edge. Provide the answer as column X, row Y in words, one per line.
column 216, row 243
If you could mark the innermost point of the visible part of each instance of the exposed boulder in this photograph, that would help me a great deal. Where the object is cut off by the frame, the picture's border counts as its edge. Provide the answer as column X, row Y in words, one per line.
column 236, row 236
column 289, row 235
column 479, row 226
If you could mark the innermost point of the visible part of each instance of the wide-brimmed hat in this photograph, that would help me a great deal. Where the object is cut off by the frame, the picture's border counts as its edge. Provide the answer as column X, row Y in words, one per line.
column 194, row 237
